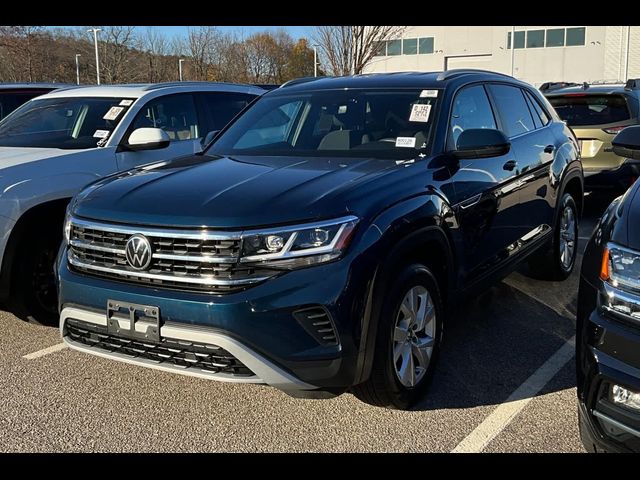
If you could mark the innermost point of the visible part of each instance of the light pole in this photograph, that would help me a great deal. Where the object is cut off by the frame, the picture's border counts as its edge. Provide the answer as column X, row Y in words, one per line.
column 626, row 62
column 315, row 60
column 513, row 47
column 95, row 41
column 78, row 69
column 180, row 67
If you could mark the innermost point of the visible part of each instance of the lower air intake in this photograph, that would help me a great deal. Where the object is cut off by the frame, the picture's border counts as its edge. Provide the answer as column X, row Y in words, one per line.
column 318, row 323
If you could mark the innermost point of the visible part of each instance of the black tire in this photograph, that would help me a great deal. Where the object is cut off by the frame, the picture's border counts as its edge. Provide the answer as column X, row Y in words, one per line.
column 547, row 264
column 383, row 388
column 33, row 295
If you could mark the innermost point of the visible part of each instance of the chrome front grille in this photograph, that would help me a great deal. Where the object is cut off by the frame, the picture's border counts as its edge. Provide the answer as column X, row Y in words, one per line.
column 183, row 259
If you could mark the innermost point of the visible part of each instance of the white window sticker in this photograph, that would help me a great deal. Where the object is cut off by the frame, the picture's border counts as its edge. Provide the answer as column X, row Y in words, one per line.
column 407, row 142
column 113, row 113
column 420, row 112
column 101, row 134
column 428, row 93
column 125, row 103
column 342, row 109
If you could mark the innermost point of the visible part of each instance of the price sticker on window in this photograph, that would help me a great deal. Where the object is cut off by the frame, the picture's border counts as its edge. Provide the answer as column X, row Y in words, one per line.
column 113, row 113
column 406, row 142
column 420, row 112
column 101, row 134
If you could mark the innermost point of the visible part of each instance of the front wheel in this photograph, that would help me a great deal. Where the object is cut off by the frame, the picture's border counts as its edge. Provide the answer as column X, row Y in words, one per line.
column 557, row 261
column 407, row 342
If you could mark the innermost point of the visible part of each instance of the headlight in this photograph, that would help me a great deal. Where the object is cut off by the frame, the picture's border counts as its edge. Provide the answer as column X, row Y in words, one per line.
column 66, row 230
column 620, row 272
column 298, row 246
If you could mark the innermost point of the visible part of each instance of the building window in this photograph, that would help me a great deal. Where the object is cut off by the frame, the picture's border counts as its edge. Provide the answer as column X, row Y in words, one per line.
column 535, row 38
column 379, row 49
column 425, row 45
column 576, row 36
column 394, row 47
column 555, row 37
column 519, row 37
column 410, row 46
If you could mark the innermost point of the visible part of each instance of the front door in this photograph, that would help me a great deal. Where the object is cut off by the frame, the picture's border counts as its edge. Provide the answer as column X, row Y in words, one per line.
column 485, row 196
column 175, row 114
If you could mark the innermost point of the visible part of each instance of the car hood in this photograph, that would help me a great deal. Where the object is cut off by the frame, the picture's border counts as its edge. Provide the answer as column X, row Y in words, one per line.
column 231, row 192
column 627, row 229
column 12, row 156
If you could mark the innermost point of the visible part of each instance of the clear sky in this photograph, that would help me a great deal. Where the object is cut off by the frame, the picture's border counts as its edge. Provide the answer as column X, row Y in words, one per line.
column 295, row 32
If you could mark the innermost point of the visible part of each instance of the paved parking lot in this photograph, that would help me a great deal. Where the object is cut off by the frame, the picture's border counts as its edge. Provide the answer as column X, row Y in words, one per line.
column 505, row 383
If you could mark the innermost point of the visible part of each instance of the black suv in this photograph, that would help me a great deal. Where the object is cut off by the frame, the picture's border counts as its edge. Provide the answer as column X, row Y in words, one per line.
column 318, row 244
column 608, row 323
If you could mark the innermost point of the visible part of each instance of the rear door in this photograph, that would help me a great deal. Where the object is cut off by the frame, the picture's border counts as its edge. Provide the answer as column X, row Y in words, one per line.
column 534, row 145
column 177, row 115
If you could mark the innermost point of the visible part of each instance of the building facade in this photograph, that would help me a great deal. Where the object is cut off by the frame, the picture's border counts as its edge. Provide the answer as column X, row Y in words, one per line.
column 541, row 54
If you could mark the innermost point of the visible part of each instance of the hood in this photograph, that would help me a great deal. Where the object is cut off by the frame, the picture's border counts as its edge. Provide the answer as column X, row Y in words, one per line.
column 628, row 228
column 12, row 156
column 226, row 192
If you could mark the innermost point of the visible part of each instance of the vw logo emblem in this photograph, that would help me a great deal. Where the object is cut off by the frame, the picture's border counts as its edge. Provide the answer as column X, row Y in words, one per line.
column 138, row 252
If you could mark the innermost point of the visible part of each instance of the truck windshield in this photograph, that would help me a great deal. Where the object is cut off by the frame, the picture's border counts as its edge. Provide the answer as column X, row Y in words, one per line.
column 334, row 123
column 66, row 123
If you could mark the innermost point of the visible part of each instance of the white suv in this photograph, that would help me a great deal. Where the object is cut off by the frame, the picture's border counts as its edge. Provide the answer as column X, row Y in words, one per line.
column 56, row 143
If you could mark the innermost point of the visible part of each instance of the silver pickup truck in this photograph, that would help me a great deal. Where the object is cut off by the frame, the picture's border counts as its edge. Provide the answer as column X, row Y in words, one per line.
column 55, row 144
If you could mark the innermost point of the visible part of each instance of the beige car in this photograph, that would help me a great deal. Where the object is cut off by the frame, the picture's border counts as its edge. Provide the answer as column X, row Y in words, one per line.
column 596, row 113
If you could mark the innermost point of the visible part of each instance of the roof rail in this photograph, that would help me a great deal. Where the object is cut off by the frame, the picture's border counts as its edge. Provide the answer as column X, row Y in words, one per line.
column 156, row 86
column 447, row 74
column 632, row 84
column 297, row 81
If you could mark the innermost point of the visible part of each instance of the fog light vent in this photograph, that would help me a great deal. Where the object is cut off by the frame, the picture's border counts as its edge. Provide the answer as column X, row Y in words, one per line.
column 319, row 324
column 625, row 397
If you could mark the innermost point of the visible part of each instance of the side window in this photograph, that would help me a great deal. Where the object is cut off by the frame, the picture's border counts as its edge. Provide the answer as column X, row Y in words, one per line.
column 471, row 109
column 538, row 111
column 513, row 110
column 221, row 107
column 175, row 114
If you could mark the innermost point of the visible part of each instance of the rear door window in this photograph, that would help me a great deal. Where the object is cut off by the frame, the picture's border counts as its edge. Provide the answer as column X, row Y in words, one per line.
column 175, row 114
column 513, row 110
column 591, row 109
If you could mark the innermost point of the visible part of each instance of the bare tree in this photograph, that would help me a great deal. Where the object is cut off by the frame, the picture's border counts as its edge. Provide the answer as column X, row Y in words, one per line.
column 156, row 48
column 348, row 49
column 21, row 46
column 117, row 43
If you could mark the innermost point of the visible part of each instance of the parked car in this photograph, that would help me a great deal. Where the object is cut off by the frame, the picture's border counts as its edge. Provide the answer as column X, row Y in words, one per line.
column 596, row 113
column 12, row 95
column 608, row 322
column 55, row 144
column 318, row 244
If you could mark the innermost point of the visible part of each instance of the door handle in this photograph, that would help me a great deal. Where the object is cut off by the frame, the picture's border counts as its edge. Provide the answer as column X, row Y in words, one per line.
column 549, row 148
column 510, row 165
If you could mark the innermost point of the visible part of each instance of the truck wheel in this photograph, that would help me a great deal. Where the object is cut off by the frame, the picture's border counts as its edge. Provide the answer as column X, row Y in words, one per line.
column 556, row 262
column 34, row 295
column 407, row 342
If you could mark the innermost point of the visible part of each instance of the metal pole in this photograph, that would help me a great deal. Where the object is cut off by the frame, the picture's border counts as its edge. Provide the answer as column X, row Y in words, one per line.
column 78, row 69
column 626, row 61
column 315, row 61
column 180, row 67
column 513, row 48
column 95, row 41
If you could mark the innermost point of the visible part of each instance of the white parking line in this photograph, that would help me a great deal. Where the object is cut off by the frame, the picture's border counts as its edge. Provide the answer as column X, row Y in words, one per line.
column 45, row 351
column 498, row 420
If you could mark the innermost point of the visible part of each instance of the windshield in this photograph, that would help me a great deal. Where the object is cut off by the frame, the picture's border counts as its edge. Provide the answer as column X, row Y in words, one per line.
column 67, row 123
column 345, row 123
column 582, row 109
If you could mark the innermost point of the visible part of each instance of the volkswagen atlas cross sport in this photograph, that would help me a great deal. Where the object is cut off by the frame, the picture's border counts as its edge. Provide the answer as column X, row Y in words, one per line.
column 608, row 324
column 596, row 113
column 317, row 245
column 53, row 145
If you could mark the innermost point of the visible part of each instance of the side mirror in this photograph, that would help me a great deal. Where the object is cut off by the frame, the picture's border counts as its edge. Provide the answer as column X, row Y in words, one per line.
column 481, row 143
column 148, row 139
column 627, row 143
column 209, row 136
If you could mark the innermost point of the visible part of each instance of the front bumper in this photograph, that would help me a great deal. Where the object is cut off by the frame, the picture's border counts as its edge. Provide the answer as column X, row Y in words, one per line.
column 256, row 326
column 609, row 354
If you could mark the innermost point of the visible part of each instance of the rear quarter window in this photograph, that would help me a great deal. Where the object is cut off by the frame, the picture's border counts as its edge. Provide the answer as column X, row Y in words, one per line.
column 590, row 109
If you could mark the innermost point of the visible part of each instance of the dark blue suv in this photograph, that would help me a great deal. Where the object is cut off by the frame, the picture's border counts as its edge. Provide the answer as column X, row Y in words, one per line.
column 318, row 245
